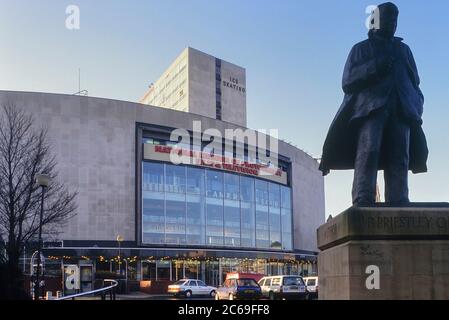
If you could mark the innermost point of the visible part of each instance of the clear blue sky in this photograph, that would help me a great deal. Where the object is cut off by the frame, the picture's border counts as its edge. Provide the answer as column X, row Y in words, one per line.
column 293, row 52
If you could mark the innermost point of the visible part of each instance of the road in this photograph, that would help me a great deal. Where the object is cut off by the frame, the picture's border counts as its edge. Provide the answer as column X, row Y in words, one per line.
column 144, row 296
column 167, row 297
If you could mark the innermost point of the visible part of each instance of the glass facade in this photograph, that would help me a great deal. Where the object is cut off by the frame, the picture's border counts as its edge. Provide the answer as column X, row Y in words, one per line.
column 183, row 205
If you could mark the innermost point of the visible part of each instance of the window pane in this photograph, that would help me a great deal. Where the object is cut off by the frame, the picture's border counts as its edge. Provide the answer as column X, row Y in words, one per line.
column 247, row 207
column 214, row 181
column 195, row 180
column 286, row 201
column 247, row 189
column 232, row 210
column 232, row 186
column 175, row 177
column 248, row 224
column 175, row 202
column 163, row 270
column 153, row 213
column 153, row 221
column 286, row 222
column 275, row 216
column 287, row 241
column 286, row 215
column 262, row 236
column 214, row 222
column 232, row 223
column 175, row 218
column 275, row 195
column 196, row 218
column 214, row 207
column 153, row 177
column 293, row 281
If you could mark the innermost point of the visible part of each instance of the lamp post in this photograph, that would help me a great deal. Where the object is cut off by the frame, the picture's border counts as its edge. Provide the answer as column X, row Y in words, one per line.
column 42, row 180
column 119, row 240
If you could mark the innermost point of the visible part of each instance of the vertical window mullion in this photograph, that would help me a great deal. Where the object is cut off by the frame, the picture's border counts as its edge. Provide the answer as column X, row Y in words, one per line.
column 205, row 207
column 164, row 181
column 224, row 208
column 240, row 210
column 185, row 204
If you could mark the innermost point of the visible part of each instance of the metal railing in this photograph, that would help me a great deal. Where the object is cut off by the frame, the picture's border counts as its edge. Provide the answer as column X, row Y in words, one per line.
column 103, row 291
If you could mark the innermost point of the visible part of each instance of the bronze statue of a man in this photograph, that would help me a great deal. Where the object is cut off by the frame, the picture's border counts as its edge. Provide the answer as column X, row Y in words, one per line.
column 378, row 126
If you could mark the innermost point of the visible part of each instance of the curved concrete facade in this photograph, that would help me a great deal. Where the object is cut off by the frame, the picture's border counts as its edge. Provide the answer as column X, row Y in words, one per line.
column 94, row 141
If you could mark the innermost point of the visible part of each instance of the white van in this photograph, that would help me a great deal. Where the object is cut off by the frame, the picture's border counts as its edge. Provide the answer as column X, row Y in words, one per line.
column 283, row 287
column 312, row 286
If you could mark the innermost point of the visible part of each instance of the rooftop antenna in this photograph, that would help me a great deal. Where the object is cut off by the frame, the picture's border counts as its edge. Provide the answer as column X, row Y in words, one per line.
column 80, row 92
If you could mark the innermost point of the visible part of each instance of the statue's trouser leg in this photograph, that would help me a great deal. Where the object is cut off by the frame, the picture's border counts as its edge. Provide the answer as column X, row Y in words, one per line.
column 397, row 140
column 367, row 158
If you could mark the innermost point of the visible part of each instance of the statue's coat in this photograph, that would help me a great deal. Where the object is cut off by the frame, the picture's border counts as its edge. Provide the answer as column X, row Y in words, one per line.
column 366, row 89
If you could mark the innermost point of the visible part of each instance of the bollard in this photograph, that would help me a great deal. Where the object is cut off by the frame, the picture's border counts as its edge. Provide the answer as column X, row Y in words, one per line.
column 49, row 295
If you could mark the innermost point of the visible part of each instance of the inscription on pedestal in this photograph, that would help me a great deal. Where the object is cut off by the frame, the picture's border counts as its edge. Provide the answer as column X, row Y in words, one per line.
column 385, row 223
column 385, row 253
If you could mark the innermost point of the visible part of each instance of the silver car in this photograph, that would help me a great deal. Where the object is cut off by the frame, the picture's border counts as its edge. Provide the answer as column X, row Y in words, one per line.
column 191, row 287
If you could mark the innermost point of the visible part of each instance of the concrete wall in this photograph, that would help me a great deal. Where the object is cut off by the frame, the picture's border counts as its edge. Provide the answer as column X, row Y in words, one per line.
column 200, row 88
column 171, row 89
column 94, row 143
column 201, row 83
column 233, row 100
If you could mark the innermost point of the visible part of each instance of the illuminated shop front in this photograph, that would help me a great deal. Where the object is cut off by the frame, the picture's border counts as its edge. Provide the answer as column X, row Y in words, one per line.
column 208, row 266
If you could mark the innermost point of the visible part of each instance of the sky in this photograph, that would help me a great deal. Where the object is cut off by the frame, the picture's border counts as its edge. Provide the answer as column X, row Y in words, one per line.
column 293, row 51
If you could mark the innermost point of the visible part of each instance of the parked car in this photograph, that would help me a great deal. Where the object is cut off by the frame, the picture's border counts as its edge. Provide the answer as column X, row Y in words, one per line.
column 243, row 288
column 283, row 287
column 312, row 286
column 191, row 287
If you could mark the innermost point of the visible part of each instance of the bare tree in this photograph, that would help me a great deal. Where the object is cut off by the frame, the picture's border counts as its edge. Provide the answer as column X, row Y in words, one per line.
column 25, row 152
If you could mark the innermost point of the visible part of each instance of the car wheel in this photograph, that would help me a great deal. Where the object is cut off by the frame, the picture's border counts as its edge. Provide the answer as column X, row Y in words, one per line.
column 217, row 296
column 271, row 295
column 188, row 294
column 212, row 293
column 231, row 296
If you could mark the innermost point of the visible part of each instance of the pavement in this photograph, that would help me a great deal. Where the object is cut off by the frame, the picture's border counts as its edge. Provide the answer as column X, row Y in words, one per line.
column 145, row 296
column 142, row 296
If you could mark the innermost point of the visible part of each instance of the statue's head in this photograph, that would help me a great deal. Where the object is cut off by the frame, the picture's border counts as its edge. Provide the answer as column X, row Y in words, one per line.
column 387, row 14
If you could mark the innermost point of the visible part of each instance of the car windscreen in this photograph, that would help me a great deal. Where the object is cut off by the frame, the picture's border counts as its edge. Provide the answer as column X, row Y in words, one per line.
column 247, row 283
column 293, row 281
column 179, row 282
column 311, row 282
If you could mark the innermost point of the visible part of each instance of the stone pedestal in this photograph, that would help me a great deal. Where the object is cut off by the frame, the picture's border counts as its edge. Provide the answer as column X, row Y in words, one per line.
column 408, row 246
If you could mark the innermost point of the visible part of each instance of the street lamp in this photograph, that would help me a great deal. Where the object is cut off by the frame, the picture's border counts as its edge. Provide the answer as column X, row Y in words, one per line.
column 42, row 180
column 119, row 240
